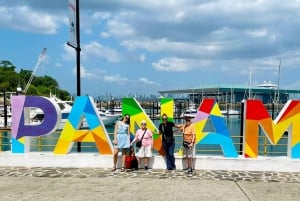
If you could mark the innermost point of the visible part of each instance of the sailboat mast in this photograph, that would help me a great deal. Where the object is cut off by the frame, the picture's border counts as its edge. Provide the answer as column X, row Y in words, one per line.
column 278, row 80
column 250, row 82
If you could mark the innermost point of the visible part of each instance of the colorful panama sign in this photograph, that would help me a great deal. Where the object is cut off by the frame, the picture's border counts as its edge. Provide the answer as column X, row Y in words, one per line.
column 255, row 116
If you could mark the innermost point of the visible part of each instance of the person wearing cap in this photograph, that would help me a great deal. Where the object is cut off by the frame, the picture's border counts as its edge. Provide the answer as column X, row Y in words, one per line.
column 168, row 141
column 146, row 136
column 121, row 140
column 189, row 138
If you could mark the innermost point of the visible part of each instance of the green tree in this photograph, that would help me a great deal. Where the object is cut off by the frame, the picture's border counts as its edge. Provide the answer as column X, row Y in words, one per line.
column 40, row 85
column 8, row 76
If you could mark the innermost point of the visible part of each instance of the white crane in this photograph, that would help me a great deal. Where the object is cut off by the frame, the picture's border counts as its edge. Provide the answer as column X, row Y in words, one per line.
column 37, row 65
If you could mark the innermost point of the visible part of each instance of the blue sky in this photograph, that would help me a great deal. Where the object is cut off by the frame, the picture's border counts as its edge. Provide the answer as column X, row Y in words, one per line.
column 141, row 47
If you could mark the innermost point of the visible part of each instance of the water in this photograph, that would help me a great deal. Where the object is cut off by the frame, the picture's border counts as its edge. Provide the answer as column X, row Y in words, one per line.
column 47, row 143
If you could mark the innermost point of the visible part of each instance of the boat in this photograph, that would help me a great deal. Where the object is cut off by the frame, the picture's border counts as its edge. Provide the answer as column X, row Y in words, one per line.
column 8, row 120
column 224, row 112
column 230, row 110
column 36, row 115
column 233, row 112
column 8, row 116
column 114, row 111
column 268, row 85
column 190, row 112
column 107, row 118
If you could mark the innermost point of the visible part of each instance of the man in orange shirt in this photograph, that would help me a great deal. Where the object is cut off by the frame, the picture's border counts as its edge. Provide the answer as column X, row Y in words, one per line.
column 189, row 138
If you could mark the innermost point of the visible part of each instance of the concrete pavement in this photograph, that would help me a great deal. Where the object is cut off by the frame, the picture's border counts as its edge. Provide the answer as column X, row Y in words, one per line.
column 24, row 183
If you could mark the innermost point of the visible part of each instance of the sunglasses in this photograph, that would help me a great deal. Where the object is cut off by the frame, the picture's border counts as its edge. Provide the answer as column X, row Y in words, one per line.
column 127, row 117
column 143, row 124
column 164, row 118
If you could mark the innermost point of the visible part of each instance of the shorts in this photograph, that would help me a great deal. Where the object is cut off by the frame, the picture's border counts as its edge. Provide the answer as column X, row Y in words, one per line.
column 188, row 152
column 145, row 152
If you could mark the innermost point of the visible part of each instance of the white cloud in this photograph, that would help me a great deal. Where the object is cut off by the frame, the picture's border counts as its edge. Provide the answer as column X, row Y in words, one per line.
column 69, row 53
column 58, row 65
column 95, row 49
column 115, row 28
column 180, row 15
column 220, row 37
column 101, row 16
column 171, row 64
column 105, row 34
column 179, row 48
column 257, row 33
column 142, row 58
column 116, row 79
column 85, row 73
column 148, row 82
column 176, row 64
column 25, row 19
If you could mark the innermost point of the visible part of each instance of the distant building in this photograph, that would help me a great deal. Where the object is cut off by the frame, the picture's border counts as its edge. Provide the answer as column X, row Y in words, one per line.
column 267, row 92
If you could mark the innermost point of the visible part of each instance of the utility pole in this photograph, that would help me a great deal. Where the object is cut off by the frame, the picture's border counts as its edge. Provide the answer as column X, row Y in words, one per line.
column 78, row 49
column 5, row 108
column 278, row 90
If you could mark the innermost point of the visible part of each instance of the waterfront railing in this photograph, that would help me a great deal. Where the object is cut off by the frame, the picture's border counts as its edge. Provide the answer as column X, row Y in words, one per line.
column 47, row 144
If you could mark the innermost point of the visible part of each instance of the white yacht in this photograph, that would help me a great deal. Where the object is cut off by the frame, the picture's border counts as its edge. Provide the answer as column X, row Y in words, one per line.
column 190, row 112
column 268, row 85
column 8, row 117
column 38, row 115
column 114, row 111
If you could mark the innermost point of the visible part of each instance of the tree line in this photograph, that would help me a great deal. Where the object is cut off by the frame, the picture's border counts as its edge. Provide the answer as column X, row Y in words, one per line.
column 10, row 80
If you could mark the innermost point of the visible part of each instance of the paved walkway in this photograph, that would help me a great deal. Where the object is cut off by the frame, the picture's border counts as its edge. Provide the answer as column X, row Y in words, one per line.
column 22, row 183
column 216, row 175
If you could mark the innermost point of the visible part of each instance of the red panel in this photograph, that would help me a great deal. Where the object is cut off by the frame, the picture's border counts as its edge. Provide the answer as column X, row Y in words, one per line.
column 207, row 105
column 255, row 110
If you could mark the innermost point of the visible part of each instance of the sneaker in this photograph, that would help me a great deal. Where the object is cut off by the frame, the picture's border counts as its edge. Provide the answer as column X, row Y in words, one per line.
column 146, row 168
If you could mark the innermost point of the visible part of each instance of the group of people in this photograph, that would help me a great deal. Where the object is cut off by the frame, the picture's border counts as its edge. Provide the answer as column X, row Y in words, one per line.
column 122, row 142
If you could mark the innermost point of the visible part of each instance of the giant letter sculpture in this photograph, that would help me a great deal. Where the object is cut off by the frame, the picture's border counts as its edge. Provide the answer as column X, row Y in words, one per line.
column 257, row 116
column 21, row 120
column 84, row 107
column 209, row 109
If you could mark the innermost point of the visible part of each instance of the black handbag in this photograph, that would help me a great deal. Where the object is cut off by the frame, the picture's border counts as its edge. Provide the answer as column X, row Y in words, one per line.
column 139, row 143
column 186, row 144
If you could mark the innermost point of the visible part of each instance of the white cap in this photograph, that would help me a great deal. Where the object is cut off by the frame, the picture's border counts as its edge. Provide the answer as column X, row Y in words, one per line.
column 143, row 122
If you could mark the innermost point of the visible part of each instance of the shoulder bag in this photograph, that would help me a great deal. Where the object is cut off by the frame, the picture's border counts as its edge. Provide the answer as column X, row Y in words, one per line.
column 139, row 143
column 185, row 143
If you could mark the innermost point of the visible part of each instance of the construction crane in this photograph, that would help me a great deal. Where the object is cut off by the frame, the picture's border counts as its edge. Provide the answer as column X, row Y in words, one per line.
column 41, row 58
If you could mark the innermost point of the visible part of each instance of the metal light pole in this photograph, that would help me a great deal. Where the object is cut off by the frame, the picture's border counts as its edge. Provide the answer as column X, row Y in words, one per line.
column 5, row 108
column 78, row 49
